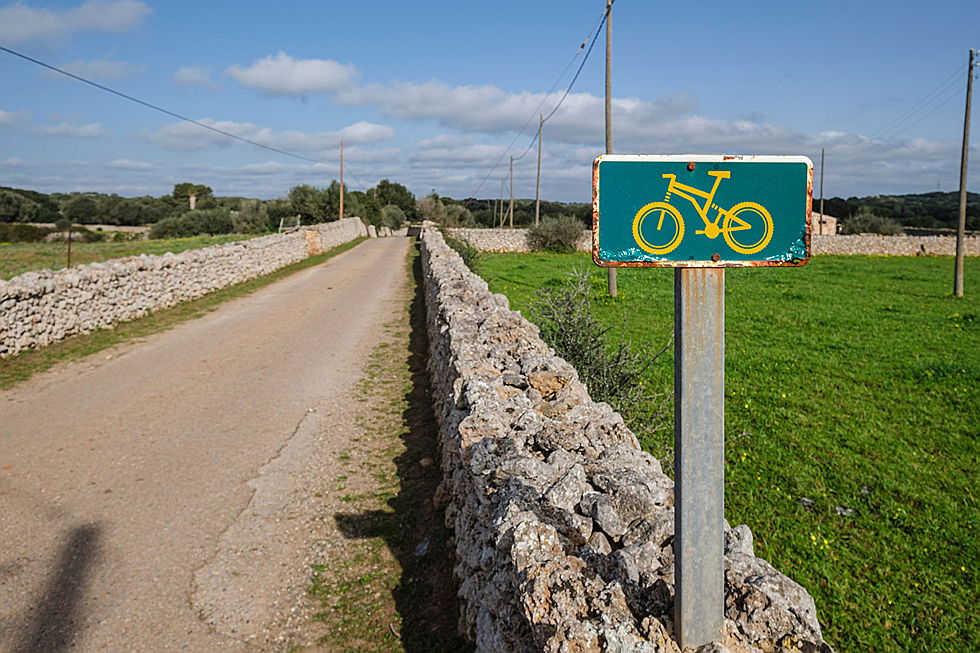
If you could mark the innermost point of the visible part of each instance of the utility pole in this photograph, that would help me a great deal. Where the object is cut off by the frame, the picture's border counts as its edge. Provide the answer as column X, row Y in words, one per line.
column 510, row 211
column 501, row 205
column 537, row 184
column 964, row 156
column 341, row 179
column 823, row 220
column 611, row 272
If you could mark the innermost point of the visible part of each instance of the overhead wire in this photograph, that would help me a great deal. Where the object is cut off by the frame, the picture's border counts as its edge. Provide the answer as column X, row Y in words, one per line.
column 168, row 112
column 597, row 29
column 921, row 109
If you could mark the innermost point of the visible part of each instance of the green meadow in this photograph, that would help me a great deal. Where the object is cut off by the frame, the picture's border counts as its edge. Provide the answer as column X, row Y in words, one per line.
column 852, row 420
column 18, row 258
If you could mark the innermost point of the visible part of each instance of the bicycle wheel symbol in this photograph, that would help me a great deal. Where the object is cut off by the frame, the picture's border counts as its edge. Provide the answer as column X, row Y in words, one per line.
column 661, row 235
column 747, row 227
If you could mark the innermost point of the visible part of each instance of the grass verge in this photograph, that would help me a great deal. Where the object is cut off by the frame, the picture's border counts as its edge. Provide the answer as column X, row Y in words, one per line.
column 391, row 587
column 24, row 365
column 852, row 419
column 18, row 258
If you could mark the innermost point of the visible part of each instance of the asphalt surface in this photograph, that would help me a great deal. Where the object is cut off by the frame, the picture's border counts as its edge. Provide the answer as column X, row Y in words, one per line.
column 152, row 496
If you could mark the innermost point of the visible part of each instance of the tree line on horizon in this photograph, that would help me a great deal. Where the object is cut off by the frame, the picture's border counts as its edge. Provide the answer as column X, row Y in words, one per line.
column 193, row 209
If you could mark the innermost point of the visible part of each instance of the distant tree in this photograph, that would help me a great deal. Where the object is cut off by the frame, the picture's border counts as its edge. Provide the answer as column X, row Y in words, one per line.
column 389, row 192
column 310, row 203
column 278, row 210
column 430, row 208
column 867, row 222
column 392, row 216
column 82, row 209
column 191, row 193
column 192, row 223
column 252, row 217
column 14, row 207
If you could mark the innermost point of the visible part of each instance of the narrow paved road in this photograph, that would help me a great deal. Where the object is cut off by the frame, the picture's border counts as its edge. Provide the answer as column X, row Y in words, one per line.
column 150, row 495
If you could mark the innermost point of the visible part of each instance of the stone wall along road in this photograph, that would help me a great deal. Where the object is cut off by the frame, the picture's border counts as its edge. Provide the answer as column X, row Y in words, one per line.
column 563, row 525
column 38, row 308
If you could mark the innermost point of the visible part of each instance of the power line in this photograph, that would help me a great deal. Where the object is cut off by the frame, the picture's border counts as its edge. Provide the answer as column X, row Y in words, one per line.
column 896, row 124
column 161, row 109
column 517, row 135
column 602, row 21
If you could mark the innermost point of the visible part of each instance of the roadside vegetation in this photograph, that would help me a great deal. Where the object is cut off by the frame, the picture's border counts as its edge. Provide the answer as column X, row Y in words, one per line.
column 852, row 412
column 389, row 586
column 26, row 364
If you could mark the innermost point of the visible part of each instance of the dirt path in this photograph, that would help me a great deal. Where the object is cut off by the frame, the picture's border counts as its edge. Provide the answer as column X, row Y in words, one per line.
column 157, row 496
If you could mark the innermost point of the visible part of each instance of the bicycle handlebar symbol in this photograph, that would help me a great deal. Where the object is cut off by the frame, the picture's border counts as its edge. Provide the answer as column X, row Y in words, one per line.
column 749, row 217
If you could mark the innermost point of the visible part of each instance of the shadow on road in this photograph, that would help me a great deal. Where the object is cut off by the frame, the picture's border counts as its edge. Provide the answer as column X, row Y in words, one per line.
column 53, row 622
column 414, row 530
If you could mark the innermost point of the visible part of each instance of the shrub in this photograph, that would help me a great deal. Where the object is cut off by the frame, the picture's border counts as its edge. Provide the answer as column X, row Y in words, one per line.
column 559, row 234
column 613, row 373
column 22, row 233
column 392, row 216
column 193, row 223
column 469, row 254
column 866, row 222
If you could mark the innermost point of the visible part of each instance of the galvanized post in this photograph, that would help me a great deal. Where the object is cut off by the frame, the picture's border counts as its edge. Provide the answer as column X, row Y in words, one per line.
column 699, row 455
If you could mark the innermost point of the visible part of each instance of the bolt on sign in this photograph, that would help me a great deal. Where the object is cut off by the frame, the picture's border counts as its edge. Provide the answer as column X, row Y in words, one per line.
column 700, row 214
column 696, row 210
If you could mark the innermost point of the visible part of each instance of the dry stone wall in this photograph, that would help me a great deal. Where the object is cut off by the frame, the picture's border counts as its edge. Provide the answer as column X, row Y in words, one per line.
column 563, row 525
column 515, row 240
column 38, row 308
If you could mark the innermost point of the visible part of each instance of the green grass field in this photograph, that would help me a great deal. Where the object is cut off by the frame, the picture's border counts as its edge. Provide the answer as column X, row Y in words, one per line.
column 852, row 383
column 18, row 258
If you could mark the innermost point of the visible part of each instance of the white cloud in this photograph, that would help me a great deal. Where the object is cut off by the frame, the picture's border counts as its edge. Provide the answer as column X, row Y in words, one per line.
column 186, row 136
column 72, row 130
column 366, row 132
column 194, row 76
column 128, row 164
column 100, row 69
column 20, row 23
column 13, row 161
column 11, row 117
column 283, row 75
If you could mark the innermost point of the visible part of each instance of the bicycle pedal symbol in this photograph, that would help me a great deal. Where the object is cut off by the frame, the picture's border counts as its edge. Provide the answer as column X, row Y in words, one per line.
column 746, row 226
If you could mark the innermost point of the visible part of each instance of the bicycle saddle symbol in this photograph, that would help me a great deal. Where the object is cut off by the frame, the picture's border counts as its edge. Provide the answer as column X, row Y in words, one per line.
column 746, row 227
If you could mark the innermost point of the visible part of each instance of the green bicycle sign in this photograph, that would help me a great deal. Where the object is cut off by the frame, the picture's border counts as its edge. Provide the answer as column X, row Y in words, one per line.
column 715, row 211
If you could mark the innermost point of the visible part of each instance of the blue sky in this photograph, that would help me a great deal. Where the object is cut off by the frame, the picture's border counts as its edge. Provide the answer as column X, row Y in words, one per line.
column 431, row 94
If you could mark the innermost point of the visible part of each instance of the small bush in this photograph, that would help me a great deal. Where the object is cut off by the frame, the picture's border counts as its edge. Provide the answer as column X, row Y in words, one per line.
column 12, row 232
column 614, row 374
column 469, row 254
column 559, row 234
column 194, row 223
column 866, row 222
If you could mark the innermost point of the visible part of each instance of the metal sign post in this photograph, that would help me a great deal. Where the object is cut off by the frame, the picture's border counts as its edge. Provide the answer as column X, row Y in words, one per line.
column 700, row 214
column 699, row 454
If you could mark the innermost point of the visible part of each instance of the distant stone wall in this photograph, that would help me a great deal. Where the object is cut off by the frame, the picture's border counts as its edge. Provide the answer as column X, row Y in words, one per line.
column 563, row 525
column 41, row 307
column 515, row 240
column 893, row 245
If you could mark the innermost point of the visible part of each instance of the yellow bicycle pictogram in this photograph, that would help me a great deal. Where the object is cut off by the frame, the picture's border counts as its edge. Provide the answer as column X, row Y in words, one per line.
column 746, row 227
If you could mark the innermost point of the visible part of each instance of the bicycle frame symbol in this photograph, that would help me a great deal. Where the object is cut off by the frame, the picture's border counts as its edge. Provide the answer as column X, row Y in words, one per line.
column 746, row 227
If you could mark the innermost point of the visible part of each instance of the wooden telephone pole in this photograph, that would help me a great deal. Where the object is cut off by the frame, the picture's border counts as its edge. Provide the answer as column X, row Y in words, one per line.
column 510, row 211
column 611, row 272
column 964, row 156
column 341, row 180
column 537, row 184
column 501, row 205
